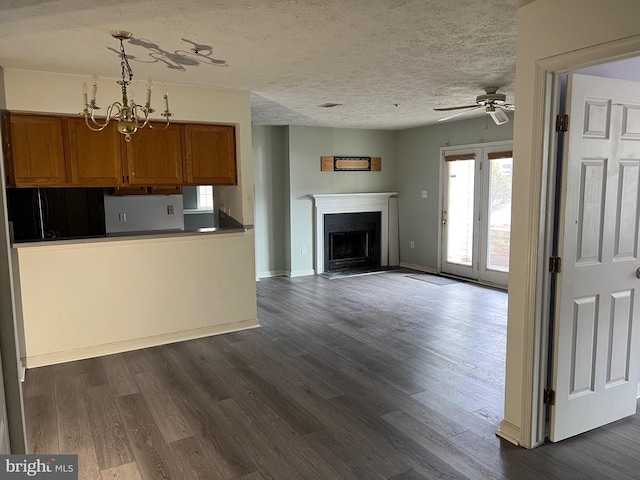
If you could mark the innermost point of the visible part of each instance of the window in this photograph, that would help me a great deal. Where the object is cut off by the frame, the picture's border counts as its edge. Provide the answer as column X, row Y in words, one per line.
column 205, row 197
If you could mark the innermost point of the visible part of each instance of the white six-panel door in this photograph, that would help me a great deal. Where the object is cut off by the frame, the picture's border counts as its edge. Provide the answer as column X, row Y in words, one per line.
column 597, row 327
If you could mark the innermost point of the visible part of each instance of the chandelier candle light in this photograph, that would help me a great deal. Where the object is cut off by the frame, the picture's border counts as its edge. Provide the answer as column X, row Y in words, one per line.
column 128, row 115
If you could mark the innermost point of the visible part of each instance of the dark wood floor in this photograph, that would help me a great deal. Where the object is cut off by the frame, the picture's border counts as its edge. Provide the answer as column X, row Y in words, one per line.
column 372, row 377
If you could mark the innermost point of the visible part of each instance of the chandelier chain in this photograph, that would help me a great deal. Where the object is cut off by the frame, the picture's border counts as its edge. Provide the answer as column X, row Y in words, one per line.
column 126, row 68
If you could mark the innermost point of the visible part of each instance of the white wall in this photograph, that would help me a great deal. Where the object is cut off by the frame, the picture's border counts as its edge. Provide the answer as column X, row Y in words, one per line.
column 546, row 28
column 142, row 213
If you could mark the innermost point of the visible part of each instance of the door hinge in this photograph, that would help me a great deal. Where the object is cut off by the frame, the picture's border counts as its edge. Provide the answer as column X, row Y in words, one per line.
column 549, row 396
column 480, row 164
column 555, row 264
column 562, row 123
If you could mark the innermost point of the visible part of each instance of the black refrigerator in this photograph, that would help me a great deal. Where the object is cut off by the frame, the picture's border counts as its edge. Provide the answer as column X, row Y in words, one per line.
column 50, row 213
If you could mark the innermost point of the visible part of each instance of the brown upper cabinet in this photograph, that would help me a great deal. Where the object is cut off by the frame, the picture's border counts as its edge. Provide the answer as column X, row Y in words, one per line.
column 34, row 151
column 210, row 154
column 49, row 150
column 154, row 157
column 93, row 158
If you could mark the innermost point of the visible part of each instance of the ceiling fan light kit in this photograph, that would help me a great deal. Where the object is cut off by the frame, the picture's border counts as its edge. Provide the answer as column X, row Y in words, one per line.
column 499, row 116
column 493, row 103
column 128, row 114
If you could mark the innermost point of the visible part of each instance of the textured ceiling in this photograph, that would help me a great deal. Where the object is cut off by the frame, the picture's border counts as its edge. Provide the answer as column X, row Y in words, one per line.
column 367, row 55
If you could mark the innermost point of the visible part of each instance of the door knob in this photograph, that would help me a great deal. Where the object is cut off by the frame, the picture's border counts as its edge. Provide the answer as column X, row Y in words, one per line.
column 638, row 272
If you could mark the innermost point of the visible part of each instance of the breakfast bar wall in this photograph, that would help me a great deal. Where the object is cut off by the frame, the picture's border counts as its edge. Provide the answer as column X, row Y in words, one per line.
column 77, row 300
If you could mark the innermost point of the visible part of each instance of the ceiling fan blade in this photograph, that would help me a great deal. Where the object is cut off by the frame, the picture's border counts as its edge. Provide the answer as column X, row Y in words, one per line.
column 508, row 106
column 455, row 108
column 461, row 113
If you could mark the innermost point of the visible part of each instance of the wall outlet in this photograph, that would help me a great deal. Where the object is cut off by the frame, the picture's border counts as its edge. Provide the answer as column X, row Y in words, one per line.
column 424, row 194
column 122, row 217
column 303, row 250
column 412, row 244
column 170, row 210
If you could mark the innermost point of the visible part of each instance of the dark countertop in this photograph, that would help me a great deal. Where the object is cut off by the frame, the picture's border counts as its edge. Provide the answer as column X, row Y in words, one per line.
column 134, row 236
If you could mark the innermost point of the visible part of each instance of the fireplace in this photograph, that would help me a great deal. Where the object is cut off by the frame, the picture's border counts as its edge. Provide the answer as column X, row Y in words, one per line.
column 351, row 241
column 385, row 243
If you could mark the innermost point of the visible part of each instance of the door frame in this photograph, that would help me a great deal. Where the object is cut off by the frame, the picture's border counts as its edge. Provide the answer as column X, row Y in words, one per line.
column 547, row 98
column 480, row 197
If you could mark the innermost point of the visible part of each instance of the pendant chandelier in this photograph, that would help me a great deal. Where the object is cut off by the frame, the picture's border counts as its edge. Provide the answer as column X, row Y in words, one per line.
column 128, row 114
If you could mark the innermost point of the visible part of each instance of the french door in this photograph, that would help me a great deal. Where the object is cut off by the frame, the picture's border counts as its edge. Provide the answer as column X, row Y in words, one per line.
column 476, row 212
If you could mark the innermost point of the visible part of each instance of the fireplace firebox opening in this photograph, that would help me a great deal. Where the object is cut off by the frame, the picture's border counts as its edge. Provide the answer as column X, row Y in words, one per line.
column 351, row 241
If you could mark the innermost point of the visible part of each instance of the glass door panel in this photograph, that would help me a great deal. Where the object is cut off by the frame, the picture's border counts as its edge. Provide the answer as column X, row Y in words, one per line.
column 460, row 212
column 499, row 212
column 460, row 215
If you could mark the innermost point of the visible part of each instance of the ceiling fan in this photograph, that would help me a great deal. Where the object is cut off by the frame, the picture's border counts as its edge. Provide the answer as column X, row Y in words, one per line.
column 492, row 102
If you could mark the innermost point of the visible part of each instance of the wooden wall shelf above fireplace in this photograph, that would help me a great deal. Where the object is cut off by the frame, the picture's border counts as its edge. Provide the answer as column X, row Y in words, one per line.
column 350, row 164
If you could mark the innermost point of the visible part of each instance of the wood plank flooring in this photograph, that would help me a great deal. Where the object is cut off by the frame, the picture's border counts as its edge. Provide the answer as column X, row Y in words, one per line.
column 376, row 377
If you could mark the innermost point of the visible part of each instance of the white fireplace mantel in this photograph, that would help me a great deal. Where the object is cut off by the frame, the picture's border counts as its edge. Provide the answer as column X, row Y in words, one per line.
column 327, row 203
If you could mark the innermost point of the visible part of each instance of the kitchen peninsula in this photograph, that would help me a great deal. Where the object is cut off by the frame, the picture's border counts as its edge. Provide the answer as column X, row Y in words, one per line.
column 84, row 298
column 95, row 296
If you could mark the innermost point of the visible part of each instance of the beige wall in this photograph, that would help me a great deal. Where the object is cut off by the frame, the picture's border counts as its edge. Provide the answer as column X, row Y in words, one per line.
column 87, row 299
column 545, row 28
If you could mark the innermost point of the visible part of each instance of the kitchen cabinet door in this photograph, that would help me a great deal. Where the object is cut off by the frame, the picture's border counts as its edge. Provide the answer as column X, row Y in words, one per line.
column 147, row 190
column 154, row 157
column 165, row 190
column 34, row 151
column 210, row 155
column 137, row 190
column 93, row 158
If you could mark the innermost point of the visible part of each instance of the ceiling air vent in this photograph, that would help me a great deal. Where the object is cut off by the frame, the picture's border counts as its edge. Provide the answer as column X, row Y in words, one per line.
column 330, row 105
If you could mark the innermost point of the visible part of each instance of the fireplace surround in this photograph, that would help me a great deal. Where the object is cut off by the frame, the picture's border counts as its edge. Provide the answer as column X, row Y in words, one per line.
column 379, row 203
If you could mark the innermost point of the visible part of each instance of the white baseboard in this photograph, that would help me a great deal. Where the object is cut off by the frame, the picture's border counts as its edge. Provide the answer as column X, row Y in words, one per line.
column 300, row 273
column 421, row 268
column 509, row 432
column 137, row 343
column 271, row 273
